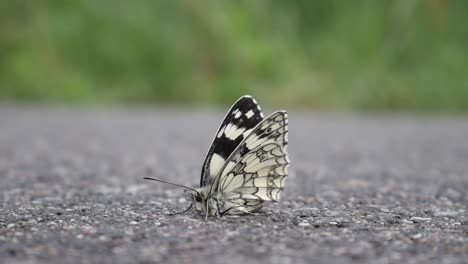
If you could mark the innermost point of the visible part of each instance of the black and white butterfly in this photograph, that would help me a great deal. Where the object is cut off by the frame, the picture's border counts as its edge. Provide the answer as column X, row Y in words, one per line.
column 246, row 164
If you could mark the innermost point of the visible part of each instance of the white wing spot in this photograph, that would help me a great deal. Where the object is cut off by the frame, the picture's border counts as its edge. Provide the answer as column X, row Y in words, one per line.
column 238, row 114
column 221, row 131
column 249, row 114
column 232, row 131
column 216, row 164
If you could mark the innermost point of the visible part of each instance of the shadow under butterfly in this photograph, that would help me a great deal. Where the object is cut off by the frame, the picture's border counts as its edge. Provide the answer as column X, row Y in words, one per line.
column 246, row 164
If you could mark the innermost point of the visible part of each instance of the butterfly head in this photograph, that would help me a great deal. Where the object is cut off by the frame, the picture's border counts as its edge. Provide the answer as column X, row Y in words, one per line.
column 198, row 200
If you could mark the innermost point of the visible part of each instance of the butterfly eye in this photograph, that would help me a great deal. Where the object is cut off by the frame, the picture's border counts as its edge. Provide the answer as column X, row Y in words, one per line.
column 198, row 198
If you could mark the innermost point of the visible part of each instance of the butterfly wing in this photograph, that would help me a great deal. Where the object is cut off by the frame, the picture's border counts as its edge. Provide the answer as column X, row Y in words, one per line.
column 256, row 170
column 243, row 116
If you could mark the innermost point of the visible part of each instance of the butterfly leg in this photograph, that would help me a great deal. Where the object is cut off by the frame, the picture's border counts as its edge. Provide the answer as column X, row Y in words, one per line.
column 183, row 212
column 207, row 210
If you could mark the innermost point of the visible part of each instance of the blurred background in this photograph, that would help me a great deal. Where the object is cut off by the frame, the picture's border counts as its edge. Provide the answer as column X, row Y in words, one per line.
column 366, row 55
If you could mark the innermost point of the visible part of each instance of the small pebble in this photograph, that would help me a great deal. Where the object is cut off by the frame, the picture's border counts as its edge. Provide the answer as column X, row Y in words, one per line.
column 420, row 219
column 103, row 238
column 446, row 213
column 404, row 221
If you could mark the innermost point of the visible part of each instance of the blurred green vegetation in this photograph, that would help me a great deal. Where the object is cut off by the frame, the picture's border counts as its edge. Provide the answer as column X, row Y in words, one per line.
column 408, row 55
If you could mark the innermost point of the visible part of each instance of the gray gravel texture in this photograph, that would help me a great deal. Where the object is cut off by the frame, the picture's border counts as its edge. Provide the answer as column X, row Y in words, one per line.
column 362, row 189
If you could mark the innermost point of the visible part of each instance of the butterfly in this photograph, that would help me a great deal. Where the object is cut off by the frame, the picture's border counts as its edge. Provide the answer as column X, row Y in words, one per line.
column 246, row 164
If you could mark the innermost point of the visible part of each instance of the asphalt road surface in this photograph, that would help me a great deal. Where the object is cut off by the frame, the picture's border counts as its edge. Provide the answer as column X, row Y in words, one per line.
column 362, row 189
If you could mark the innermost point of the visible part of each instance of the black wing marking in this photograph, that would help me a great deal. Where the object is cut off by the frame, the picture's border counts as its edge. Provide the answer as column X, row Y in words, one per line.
column 243, row 116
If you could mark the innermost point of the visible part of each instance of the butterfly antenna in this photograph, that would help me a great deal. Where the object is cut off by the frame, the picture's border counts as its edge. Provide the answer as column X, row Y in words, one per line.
column 175, row 184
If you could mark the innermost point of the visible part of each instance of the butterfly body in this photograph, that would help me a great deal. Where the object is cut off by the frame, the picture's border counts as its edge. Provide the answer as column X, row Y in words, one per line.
column 247, row 162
